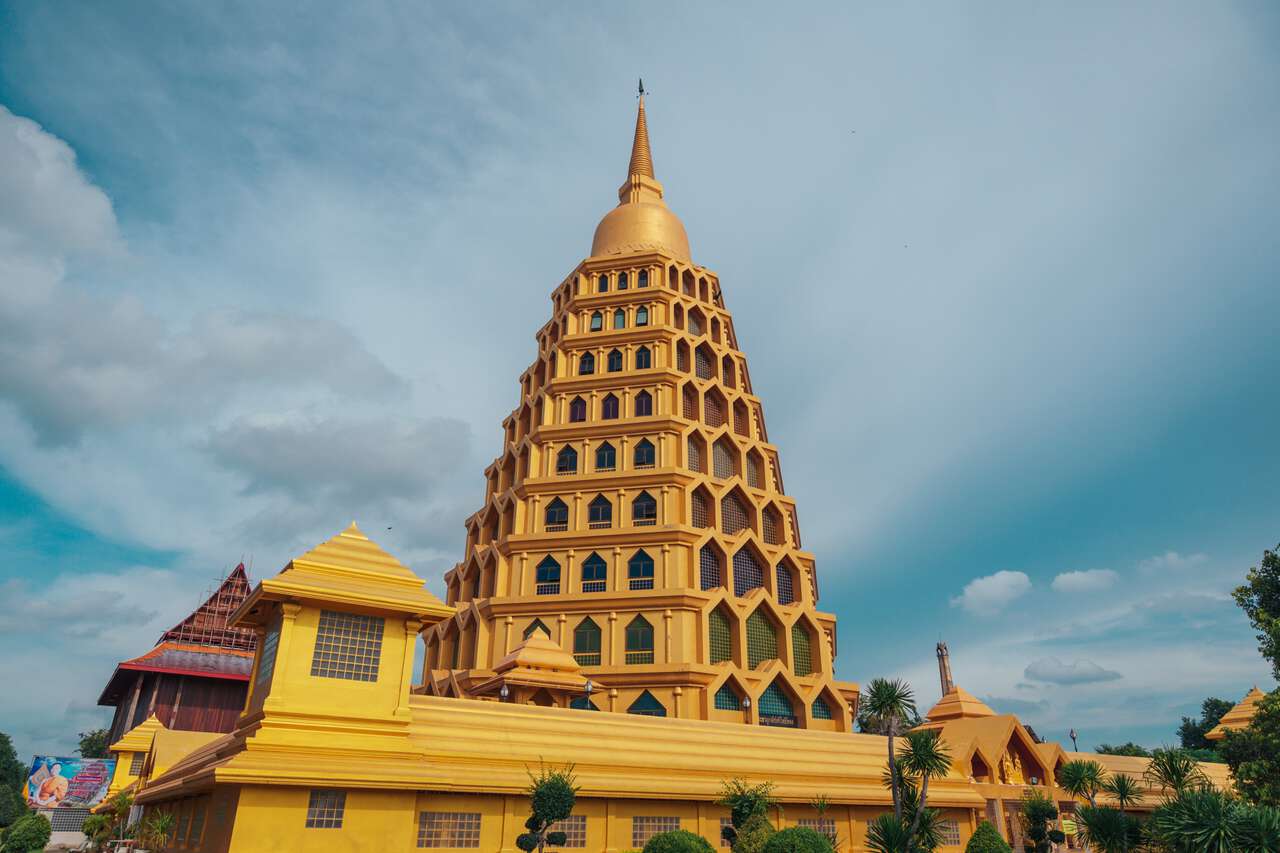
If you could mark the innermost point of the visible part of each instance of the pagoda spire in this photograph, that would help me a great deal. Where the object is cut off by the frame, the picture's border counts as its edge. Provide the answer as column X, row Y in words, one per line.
column 641, row 158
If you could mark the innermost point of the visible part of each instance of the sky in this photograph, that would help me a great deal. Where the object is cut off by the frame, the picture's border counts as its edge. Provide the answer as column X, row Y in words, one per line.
column 1006, row 277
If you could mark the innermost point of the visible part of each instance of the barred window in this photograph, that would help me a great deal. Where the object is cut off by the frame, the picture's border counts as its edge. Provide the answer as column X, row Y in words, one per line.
column 682, row 359
column 644, row 404
column 644, row 510
column 567, row 461
column 548, row 577
column 949, row 831
column 709, row 567
column 762, row 640
column 644, row 358
column 614, row 362
column 586, row 364
column 644, row 454
column 266, row 666
column 822, row 711
column 801, row 653
column 690, row 403
column 700, row 510
column 556, row 516
column 577, row 410
column 784, row 584
column 647, row 706
column 595, row 573
column 741, row 420
column 824, row 826
column 776, row 708
column 449, row 829
column 642, row 316
column 348, row 646
column 602, row 284
column 733, row 515
column 599, row 512
column 136, row 762
column 753, row 472
column 726, row 699
column 747, row 572
column 770, row 525
column 582, row 703
column 609, row 408
column 644, row 278
column 644, row 828
column 640, row 570
column 619, row 319
column 695, row 322
column 65, row 819
column 325, row 809
column 606, row 457
column 719, row 636
column 714, row 408
column 586, row 643
column 622, row 281
column 695, row 454
column 727, row 371
column 574, row 828
column 639, row 641
column 722, row 458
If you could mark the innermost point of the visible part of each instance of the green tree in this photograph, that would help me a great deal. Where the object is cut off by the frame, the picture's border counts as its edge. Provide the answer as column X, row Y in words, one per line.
column 986, row 839
column 1129, row 748
column 1036, row 814
column 13, row 773
column 12, row 806
column 1259, row 598
column 1082, row 779
column 678, row 841
column 1175, row 769
column 94, row 744
column 1199, row 821
column 97, row 828
column 30, row 833
column 552, row 794
column 890, row 704
column 798, row 839
column 925, row 757
column 1253, row 754
column 749, row 806
column 1124, row 788
column 1108, row 830
column 1192, row 731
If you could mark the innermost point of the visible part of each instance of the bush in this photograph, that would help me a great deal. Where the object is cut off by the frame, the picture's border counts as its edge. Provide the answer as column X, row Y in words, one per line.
column 678, row 841
column 986, row 839
column 29, row 833
column 798, row 839
column 754, row 835
column 12, row 806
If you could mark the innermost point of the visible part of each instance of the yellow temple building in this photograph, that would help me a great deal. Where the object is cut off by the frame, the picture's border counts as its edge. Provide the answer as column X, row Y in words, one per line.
column 633, row 600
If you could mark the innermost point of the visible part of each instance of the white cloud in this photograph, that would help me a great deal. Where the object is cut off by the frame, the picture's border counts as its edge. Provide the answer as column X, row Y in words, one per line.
column 1091, row 580
column 989, row 595
column 1055, row 671
column 1171, row 562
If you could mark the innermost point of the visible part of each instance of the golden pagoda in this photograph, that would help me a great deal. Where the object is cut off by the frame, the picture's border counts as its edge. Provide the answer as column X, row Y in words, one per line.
column 1239, row 717
column 636, row 514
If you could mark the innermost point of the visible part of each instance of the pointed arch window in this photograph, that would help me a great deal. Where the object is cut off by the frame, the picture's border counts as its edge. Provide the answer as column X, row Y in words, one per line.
column 640, row 570
column 753, row 472
column 644, row 358
column 614, row 361
column 586, row 643
column 639, row 641
column 597, row 321
column 567, row 461
column 733, row 514
column 801, row 652
column 643, row 279
column 682, row 357
column 622, row 281
column 619, row 319
column 586, row 364
column 776, row 708
column 595, row 573
column 726, row 699
column 644, row 456
column 719, row 636
column 644, row 510
column 710, row 569
column 599, row 513
column 714, row 409
column 747, row 572
column 602, row 284
column 556, row 517
column 577, row 410
column 644, row 404
column 609, row 408
column 784, row 584
column 606, row 457
column 548, row 579
column 647, row 706
column 642, row 316
column 695, row 323
column 762, row 640
column 536, row 625
column 822, row 710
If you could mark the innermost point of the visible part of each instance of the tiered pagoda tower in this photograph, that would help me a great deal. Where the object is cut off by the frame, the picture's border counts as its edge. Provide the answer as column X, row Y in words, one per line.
column 636, row 517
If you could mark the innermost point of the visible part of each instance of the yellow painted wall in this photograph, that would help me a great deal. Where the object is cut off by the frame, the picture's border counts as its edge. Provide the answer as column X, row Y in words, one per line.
column 274, row 819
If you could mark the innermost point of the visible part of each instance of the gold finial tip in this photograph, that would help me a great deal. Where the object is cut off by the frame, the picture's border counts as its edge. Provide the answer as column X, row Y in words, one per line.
column 352, row 530
column 641, row 159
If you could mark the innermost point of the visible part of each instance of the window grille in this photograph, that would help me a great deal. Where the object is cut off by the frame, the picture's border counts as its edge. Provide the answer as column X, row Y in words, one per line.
column 727, row 371
column 776, row 708
column 548, row 577
column 645, row 827
column 586, row 364
column 586, row 643
column 762, row 640
column 644, row 510
column 726, row 699
column 822, row 711
column 66, row 820
column 949, row 830
column 700, row 512
column 594, row 574
column 753, row 472
column 824, row 826
column 640, row 571
column 682, row 358
column 622, row 281
column 642, row 316
column 644, row 404
column 599, row 513
column 695, row 454
column 720, row 637
column 741, row 420
column 619, row 319
column 606, row 457
column 695, row 323
column 639, row 641
column 747, row 572
column 770, row 524
column 348, row 646
column 582, row 703
column 709, row 567
column 647, row 706
column 614, row 362
column 325, row 809
column 577, row 410
column 733, row 515
column 266, row 666
column 567, row 461
column 557, row 516
column 782, row 582
column 136, row 762
column 714, row 408
column 449, row 829
column 644, row 454
column 722, row 459
column 644, row 359
column 801, row 653
column 690, row 403
column 574, row 826
column 602, row 284
column 702, row 364
column 609, row 409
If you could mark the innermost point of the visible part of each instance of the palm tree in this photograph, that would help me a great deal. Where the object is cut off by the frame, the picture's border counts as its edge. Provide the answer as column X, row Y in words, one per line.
column 1082, row 779
column 1107, row 830
column 925, row 757
column 156, row 831
column 1176, row 770
column 890, row 703
column 1201, row 820
column 1124, row 788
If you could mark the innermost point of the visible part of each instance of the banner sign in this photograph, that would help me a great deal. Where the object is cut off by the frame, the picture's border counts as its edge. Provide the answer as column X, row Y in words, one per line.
column 73, row 783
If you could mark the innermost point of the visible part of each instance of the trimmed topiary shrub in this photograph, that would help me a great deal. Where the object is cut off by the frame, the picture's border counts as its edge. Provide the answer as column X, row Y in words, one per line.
column 986, row 839
column 798, row 839
column 678, row 841
column 28, row 833
column 754, row 835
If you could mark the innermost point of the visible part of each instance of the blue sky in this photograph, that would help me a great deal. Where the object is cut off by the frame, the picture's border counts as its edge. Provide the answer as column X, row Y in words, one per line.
column 1006, row 278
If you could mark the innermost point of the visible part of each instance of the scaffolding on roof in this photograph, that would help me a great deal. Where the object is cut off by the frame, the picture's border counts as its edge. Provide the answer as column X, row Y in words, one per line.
column 207, row 624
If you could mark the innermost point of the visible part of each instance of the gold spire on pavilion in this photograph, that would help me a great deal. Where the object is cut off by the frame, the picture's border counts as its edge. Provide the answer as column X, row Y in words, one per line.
column 641, row 158
column 1238, row 717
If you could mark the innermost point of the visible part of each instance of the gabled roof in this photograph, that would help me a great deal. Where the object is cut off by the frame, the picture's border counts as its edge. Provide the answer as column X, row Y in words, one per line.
column 957, row 704
column 1238, row 717
column 176, row 659
column 207, row 624
column 138, row 738
column 537, row 662
column 990, row 737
